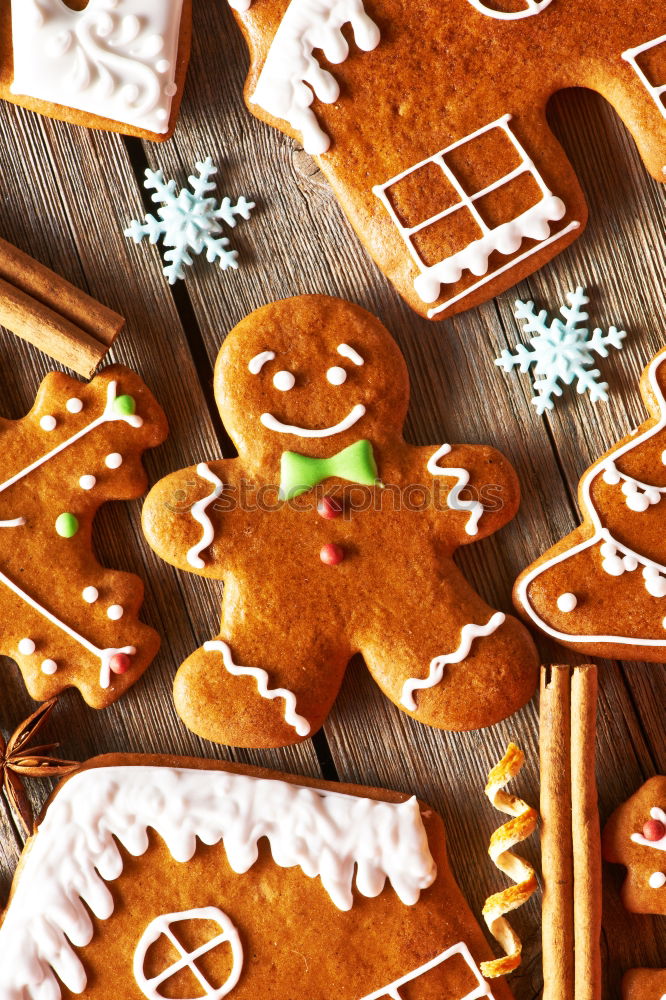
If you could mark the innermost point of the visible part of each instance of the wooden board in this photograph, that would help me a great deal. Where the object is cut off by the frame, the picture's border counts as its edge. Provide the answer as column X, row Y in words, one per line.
column 67, row 196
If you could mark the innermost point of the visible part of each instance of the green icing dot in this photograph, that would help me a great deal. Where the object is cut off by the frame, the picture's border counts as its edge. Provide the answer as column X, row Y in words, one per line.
column 124, row 406
column 66, row 525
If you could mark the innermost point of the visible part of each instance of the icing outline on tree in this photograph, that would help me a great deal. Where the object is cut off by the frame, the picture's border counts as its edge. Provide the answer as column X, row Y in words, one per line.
column 657, row 92
column 506, row 239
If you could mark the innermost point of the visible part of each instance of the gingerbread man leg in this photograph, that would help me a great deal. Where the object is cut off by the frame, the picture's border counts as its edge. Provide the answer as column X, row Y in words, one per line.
column 269, row 679
column 474, row 667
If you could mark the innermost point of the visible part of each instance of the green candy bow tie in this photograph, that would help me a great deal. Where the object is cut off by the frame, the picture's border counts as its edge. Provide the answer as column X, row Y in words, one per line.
column 299, row 473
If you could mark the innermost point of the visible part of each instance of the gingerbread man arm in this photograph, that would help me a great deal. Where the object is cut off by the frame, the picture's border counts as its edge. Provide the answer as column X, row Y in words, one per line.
column 474, row 490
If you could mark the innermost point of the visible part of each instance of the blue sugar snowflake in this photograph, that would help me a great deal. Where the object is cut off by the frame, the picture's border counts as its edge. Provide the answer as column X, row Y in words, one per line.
column 561, row 352
column 189, row 221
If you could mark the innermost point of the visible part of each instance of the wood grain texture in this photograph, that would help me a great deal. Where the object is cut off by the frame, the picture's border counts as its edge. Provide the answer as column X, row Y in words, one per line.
column 68, row 195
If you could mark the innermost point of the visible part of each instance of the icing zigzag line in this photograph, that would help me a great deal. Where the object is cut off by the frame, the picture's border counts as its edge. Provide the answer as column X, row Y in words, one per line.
column 291, row 717
column 475, row 507
column 467, row 636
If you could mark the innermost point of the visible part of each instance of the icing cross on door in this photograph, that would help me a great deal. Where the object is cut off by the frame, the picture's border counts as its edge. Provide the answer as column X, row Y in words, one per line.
column 533, row 224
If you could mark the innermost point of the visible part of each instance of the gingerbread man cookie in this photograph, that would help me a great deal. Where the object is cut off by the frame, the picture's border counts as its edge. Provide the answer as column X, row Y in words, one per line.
column 644, row 984
column 113, row 64
column 66, row 620
column 313, row 392
column 635, row 836
column 222, row 869
column 601, row 589
column 429, row 121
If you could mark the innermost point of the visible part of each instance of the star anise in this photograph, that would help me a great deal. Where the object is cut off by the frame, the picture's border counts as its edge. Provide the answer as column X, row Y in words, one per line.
column 18, row 760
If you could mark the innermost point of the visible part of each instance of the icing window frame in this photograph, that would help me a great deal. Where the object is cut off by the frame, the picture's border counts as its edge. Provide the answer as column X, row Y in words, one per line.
column 506, row 238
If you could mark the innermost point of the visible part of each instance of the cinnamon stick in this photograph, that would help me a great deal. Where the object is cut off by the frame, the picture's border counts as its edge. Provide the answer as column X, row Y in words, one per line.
column 556, row 834
column 586, row 835
column 41, row 307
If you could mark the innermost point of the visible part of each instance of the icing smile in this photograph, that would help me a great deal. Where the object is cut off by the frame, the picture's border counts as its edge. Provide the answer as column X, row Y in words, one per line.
column 273, row 424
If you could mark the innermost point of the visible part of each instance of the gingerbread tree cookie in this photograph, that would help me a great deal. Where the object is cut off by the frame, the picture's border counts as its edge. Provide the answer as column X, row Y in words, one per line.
column 111, row 64
column 601, row 589
column 66, row 620
column 429, row 121
column 333, row 537
column 635, row 836
column 231, row 880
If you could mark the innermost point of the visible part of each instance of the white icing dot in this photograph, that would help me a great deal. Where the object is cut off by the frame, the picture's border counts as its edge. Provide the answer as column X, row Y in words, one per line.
column 567, row 602
column 90, row 594
column 26, row 647
column 114, row 460
column 163, row 66
column 170, row 90
column 115, row 612
column 49, row 666
column 657, row 880
column 663, row 457
column 48, row 423
column 336, row 375
column 87, row 482
column 74, row 405
column 284, row 381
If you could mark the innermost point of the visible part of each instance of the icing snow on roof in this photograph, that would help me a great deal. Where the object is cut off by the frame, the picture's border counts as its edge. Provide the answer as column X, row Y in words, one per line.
column 326, row 834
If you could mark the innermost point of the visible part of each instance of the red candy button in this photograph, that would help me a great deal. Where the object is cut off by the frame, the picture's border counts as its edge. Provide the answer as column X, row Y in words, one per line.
column 329, row 508
column 654, row 830
column 331, row 554
column 119, row 663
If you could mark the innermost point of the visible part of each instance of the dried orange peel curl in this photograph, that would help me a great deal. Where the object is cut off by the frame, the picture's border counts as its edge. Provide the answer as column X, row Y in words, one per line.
column 522, row 825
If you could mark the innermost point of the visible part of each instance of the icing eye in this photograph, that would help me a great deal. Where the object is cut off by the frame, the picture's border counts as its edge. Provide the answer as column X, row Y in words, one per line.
column 284, row 381
column 336, row 375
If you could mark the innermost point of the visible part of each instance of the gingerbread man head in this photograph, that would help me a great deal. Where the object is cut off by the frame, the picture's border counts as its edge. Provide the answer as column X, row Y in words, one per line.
column 313, row 372
column 333, row 537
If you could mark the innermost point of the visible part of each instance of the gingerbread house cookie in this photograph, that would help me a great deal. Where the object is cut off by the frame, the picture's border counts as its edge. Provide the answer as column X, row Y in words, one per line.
column 429, row 121
column 154, row 877
column 333, row 537
column 601, row 589
column 635, row 836
column 644, row 984
column 113, row 64
column 64, row 618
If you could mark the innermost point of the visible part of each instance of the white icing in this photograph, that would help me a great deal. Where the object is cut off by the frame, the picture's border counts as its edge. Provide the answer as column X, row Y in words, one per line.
column 201, row 517
column 74, row 405
column 658, row 845
column 104, row 655
column 240, row 5
column 482, row 989
column 273, row 424
column 531, row 8
column 161, row 927
column 90, row 594
column 49, row 667
column 656, row 92
column 26, row 647
column 657, row 880
column 506, row 239
column 292, row 77
column 116, row 58
column 114, row 460
column 567, row 603
column 336, row 375
column 654, row 574
column 115, row 612
column 259, row 360
column 16, row 522
column 48, row 423
column 348, row 352
column 638, row 496
column 87, row 482
column 291, row 716
column 74, row 853
column 475, row 507
column 284, row 381
column 467, row 636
